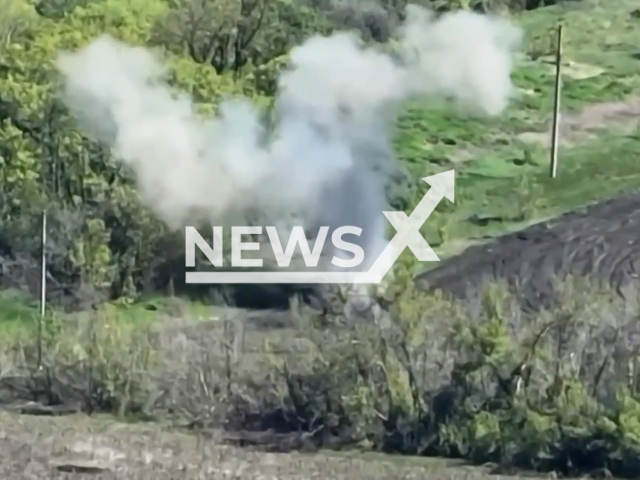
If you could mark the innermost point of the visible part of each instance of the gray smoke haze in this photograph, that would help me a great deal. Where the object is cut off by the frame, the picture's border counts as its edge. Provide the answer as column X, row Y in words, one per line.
column 330, row 156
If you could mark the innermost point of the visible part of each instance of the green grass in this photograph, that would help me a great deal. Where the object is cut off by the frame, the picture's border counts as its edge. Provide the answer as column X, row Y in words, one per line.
column 502, row 184
column 148, row 309
column 605, row 37
column 19, row 313
column 494, row 195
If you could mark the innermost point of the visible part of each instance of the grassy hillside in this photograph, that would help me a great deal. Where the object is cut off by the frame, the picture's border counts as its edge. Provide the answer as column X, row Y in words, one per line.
column 502, row 164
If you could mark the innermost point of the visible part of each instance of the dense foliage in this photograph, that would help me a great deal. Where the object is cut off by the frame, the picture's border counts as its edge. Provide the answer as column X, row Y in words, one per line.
column 101, row 239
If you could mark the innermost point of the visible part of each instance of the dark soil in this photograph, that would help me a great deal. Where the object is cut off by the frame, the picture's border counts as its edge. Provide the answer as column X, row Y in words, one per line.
column 601, row 240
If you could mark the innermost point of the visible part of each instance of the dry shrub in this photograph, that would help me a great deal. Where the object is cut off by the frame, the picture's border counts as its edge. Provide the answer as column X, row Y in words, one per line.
column 96, row 362
column 480, row 379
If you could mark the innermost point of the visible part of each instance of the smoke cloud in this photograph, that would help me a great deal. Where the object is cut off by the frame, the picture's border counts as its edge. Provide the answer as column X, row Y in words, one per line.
column 330, row 156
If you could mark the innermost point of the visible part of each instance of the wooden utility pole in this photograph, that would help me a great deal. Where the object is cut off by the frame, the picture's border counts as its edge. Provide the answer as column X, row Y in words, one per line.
column 555, row 132
column 43, row 283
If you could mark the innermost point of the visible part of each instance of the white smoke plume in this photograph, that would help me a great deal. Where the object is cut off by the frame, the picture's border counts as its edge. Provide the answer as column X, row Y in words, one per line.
column 329, row 159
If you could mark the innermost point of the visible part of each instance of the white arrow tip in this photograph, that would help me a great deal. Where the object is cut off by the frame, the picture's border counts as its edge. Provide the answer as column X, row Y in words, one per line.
column 444, row 182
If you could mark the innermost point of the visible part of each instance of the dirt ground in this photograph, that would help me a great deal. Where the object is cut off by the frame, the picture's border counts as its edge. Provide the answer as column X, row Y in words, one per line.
column 601, row 240
column 78, row 447
column 584, row 125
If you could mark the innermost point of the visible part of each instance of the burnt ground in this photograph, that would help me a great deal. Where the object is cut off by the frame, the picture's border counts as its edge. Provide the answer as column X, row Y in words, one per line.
column 600, row 240
column 77, row 447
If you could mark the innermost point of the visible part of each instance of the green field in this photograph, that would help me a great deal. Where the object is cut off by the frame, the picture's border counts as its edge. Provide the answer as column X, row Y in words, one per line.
column 502, row 181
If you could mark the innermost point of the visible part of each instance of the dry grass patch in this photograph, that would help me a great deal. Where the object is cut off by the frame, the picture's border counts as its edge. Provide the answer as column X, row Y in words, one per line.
column 50, row 448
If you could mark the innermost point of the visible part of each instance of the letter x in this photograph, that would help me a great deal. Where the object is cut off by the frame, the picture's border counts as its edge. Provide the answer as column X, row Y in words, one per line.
column 408, row 234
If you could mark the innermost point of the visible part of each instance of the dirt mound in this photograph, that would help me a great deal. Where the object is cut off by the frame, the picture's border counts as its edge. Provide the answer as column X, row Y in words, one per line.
column 602, row 239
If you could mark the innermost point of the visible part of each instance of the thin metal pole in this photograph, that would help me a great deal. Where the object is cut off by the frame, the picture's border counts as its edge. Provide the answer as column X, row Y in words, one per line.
column 555, row 132
column 43, row 283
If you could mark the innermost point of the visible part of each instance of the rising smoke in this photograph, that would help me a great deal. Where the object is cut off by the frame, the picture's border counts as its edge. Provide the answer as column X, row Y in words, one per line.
column 330, row 156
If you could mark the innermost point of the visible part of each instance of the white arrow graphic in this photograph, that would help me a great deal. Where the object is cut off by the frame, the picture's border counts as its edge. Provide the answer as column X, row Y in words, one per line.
column 407, row 235
column 408, row 228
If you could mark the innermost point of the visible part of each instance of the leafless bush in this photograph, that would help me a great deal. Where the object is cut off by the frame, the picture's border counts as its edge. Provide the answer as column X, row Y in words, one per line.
column 424, row 383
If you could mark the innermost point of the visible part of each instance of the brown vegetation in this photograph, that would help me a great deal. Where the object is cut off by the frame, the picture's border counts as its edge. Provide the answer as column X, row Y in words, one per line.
column 552, row 391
